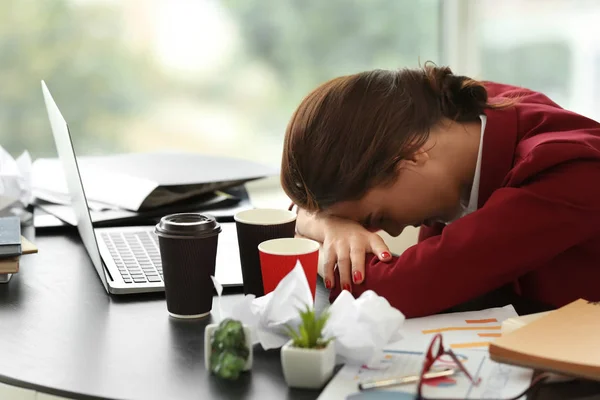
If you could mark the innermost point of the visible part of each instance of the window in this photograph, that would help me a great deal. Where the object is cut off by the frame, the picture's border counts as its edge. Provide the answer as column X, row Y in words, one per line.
column 217, row 77
column 552, row 46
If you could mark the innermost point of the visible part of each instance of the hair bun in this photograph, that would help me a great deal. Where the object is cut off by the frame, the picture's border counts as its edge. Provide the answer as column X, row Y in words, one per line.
column 460, row 98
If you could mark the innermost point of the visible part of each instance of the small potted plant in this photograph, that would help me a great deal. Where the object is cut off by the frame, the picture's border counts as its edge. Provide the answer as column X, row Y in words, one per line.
column 308, row 359
column 227, row 349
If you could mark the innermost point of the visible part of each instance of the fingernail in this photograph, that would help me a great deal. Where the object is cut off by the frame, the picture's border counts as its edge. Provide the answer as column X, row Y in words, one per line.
column 385, row 254
column 327, row 283
column 357, row 276
column 346, row 287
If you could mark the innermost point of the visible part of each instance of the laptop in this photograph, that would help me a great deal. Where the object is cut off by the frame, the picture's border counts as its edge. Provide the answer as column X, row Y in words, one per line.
column 127, row 258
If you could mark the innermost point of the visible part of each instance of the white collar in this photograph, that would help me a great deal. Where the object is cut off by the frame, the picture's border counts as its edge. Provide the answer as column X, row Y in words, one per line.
column 474, row 196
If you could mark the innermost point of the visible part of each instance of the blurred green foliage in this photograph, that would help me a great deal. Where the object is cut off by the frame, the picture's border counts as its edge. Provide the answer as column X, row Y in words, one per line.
column 307, row 42
column 78, row 49
column 104, row 85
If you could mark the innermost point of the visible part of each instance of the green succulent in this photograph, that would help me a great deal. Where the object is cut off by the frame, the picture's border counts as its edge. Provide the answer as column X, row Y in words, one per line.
column 310, row 332
column 229, row 351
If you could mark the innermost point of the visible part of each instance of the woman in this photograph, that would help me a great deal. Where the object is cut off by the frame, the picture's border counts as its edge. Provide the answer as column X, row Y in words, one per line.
column 504, row 183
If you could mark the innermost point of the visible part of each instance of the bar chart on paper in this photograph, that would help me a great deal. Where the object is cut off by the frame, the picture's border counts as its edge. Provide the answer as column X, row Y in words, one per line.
column 468, row 330
column 483, row 328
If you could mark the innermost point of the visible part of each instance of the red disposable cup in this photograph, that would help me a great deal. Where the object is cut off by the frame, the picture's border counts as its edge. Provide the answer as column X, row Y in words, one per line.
column 279, row 256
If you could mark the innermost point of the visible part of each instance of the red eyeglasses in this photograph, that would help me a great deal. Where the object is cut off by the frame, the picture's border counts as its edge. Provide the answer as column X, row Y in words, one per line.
column 436, row 351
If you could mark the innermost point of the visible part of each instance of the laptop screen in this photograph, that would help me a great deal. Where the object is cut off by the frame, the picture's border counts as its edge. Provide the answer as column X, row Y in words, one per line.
column 66, row 154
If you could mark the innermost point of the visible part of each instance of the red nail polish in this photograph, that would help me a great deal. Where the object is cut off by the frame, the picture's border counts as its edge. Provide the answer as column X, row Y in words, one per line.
column 357, row 276
column 385, row 254
column 327, row 283
column 346, row 287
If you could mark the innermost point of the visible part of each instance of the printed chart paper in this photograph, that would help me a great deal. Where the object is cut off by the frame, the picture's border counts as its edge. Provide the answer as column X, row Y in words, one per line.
column 468, row 334
column 465, row 330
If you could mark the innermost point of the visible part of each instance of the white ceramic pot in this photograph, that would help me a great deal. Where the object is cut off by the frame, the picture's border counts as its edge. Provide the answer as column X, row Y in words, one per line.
column 208, row 334
column 307, row 368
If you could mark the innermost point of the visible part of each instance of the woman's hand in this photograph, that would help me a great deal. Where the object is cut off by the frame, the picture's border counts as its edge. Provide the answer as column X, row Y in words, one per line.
column 346, row 243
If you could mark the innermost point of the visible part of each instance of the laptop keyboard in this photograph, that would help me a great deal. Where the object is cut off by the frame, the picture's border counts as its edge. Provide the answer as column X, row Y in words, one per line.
column 136, row 255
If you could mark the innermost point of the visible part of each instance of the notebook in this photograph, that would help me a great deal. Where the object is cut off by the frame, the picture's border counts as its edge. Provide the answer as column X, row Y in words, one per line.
column 11, row 265
column 10, row 237
column 563, row 341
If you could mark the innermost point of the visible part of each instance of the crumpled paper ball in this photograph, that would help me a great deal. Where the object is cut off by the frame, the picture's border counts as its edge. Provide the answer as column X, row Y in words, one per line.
column 361, row 327
column 15, row 180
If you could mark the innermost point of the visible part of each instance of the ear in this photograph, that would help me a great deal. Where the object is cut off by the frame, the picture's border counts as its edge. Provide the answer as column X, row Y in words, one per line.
column 418, row 159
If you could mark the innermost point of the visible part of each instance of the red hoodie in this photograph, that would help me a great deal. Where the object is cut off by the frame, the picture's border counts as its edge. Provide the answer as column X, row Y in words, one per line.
column 537, row 223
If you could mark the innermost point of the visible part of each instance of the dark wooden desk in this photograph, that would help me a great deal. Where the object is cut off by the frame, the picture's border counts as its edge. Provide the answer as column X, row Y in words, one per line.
column 60, row 333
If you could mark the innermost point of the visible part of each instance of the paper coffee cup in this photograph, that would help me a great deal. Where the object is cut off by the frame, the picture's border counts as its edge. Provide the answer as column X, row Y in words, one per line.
column 254, row 227
column 279, row 256
column 188, row 249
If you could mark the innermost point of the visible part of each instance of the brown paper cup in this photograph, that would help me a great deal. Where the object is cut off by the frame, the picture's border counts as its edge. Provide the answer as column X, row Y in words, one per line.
column 254, row 227
column 188, row 249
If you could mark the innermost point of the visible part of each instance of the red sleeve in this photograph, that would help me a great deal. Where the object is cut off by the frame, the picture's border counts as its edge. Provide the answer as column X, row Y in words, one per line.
column 518, row 230
column 425, row 232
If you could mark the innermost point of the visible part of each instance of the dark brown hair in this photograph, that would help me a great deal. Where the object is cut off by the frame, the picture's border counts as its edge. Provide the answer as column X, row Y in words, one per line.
column 348, row 134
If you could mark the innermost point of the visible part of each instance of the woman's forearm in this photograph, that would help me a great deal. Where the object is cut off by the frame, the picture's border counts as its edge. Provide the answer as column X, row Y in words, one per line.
column 310, row 225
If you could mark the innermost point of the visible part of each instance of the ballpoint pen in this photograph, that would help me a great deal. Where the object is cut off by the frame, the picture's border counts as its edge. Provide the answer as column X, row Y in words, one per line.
column 387, row 382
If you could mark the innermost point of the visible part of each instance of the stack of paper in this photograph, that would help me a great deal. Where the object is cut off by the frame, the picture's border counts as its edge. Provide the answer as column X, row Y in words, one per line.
column 140, row 185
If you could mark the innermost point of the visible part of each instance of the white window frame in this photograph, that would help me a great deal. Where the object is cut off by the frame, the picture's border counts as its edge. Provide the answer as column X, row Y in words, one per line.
column 458, row 37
